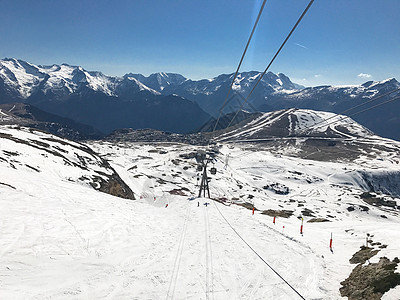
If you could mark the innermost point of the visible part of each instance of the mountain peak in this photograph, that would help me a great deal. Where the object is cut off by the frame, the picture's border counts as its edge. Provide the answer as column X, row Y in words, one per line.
column 159, row 81
column 23, row 80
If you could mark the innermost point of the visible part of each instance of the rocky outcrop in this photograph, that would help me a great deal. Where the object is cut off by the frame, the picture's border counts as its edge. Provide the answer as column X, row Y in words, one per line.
column 370, row 281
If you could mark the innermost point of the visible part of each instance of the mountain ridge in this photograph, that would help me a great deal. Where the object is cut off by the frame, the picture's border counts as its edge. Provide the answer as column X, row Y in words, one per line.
column 104, row 102
column 70, row 90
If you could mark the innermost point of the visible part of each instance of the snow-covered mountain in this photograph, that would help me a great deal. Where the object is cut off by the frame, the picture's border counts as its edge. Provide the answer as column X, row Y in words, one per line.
column 96, row 99
column 159, row 81
column 294, row 122
column 211, row 93
column 104, row 102
column 336, row 95
column 276, row 91
column 383, row 120
column 22, row 79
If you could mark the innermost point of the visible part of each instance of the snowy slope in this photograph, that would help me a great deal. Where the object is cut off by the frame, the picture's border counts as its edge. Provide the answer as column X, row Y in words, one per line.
column 316, row 190
column 36, row 155
column 62, row 239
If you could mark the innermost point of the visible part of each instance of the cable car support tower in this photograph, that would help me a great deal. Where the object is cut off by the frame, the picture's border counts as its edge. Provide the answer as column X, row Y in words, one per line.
column 203, row 159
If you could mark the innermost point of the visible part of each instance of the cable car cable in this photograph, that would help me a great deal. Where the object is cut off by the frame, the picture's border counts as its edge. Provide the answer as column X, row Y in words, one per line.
column 367, row 109
column 314, row 126
column 240, row 63
column 258, row 254
column 349, row 109
column 272, row 60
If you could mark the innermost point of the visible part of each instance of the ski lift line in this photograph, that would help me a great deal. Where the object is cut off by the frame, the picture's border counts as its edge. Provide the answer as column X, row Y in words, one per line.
column 349, row 109
column 272, row 60
column 333, row 122
column 367, row 109
column 258, row 254
column 240, row 63
column 354, row 114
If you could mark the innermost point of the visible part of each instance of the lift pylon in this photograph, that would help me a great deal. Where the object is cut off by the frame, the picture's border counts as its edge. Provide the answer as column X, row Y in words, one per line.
column 203, row 159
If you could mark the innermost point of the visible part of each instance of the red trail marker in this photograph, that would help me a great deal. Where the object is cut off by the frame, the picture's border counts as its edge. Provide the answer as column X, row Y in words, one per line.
column 301, row 227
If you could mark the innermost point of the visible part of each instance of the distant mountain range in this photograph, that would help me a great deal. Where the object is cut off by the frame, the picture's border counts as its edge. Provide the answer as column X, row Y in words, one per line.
column 103, row 102
column 171, row 102
column 383, row 120
column 210, row 94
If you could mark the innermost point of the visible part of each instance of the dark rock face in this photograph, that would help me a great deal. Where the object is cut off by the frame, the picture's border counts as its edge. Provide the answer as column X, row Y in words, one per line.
column 277, row 188
column 363, row 255
column 114, row 185
column 278, row 213
column 370, row 281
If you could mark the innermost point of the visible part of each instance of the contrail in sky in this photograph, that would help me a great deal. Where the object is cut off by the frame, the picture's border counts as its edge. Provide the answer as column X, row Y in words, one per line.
column 301, row 46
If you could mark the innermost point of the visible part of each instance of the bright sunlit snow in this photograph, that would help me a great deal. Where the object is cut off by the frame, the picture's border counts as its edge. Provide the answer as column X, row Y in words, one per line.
column 62, row 239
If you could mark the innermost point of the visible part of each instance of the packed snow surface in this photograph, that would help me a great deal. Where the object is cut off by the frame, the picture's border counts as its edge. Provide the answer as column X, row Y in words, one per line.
column 63, row 240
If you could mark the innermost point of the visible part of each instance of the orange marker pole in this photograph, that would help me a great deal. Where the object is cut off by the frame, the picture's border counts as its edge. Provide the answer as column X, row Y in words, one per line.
column 253, row 210
column 330, row 243
column 301, row 227
column 274, row 220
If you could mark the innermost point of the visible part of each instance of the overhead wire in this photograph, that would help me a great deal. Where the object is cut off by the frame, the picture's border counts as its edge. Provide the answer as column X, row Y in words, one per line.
column 263, row 260
column 341, row 118
column 274, row 57
column 240, row 63
column 359, row 112
column 349, row 109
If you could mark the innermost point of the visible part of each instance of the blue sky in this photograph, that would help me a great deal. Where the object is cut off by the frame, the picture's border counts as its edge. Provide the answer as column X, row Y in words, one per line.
column 338, row 41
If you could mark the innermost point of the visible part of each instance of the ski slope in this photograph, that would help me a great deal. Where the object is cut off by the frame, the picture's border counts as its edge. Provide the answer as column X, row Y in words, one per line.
column 61, row 239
